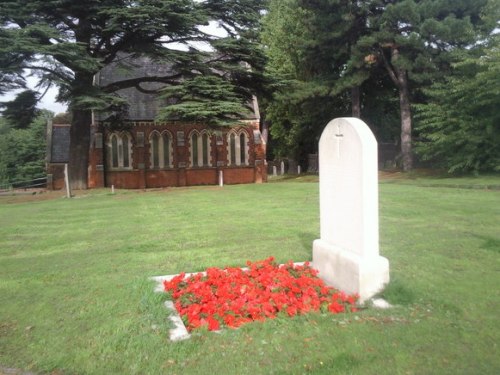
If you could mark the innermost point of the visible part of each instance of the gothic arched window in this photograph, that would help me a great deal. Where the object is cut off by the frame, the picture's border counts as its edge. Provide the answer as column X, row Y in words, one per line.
column 160, row 150
column 237, row 144
column 200, row 149
column 119, row 151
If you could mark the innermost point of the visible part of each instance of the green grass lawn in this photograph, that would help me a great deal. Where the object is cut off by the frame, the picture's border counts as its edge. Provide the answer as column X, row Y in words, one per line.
column 75, row 295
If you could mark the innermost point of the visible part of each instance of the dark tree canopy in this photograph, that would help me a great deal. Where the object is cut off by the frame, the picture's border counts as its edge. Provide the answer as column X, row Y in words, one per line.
column 66, row 42
column 460, row 124
column 413, row 41
column 324, row 49
column 23, row 151
column 21, row 111
column 311, row 49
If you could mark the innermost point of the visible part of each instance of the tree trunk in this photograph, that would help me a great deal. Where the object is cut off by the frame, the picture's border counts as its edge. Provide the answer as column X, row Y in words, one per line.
column 79, row 143
column 406, row 123
column 400, row 78
column 265, row 130
column 355, row 102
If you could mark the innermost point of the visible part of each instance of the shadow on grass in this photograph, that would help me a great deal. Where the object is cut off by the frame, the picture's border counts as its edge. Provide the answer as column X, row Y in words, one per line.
column 490, row 243
column 306, row 239
column 398, row 293
column 344, row 363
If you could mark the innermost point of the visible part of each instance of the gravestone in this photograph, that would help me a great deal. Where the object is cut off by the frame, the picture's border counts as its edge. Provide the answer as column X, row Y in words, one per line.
column 292, row 166
column 347, row 254
column 221, row 178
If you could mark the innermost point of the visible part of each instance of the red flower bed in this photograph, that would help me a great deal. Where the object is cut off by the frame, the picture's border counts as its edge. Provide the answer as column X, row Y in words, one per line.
column 233, row 296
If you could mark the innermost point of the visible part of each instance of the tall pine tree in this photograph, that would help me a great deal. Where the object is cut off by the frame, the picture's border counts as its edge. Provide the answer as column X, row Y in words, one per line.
column 311, row 46
column 337, row 45
column 413, row 40
column 21, row 111
column 460, row 124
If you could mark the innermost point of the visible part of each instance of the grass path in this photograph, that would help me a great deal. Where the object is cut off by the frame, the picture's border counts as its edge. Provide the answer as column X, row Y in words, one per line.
column 75, row 296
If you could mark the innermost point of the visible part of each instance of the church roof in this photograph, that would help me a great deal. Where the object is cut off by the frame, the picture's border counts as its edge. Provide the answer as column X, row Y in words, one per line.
column 144, row 106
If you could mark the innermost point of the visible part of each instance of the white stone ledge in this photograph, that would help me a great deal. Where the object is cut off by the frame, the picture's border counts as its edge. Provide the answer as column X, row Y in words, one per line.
column 179, row 332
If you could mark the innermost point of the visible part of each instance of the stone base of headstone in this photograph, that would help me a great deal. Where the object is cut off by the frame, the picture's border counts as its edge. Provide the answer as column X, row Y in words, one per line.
column 349, row 272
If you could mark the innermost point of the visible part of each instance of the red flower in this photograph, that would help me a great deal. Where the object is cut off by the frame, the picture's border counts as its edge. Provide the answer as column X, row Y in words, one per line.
column 213, row 324
column 291, row 310
column 335, row 307
column 233, row 297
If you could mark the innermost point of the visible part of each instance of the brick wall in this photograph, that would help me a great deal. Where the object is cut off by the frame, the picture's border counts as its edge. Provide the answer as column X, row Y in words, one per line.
column 57, row 172
column 141, row 174
column 156, row 179
column 244, row 175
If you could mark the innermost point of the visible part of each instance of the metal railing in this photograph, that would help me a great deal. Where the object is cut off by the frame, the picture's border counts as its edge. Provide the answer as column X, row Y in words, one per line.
column 40, row 182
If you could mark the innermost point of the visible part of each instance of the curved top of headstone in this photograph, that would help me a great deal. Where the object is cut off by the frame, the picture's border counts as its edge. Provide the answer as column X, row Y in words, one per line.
column 336, row 126
column 348, row 179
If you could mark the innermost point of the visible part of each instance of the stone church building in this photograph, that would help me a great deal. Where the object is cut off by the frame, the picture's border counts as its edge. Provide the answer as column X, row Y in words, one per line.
column 145, row 153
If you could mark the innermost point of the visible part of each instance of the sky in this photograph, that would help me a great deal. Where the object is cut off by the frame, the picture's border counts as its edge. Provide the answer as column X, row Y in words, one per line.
column 47, row 102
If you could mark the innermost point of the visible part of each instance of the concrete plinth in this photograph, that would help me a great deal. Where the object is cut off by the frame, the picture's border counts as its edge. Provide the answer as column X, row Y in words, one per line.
column 349, row 272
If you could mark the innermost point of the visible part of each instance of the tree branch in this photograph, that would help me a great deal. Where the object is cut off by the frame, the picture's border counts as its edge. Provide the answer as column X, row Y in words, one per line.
column 205, row 38
column 49, row 70
column 135, row 82
column 388, row 67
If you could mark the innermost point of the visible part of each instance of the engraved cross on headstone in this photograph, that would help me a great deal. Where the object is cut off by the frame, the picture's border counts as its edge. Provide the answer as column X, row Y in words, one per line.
column 338, row 137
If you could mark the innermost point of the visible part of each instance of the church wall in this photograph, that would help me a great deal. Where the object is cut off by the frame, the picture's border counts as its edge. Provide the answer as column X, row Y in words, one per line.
column 244, row 175
column 157, row 179
column 140, row 174
column 201, row 176
column 56, row 171
column 124, row 179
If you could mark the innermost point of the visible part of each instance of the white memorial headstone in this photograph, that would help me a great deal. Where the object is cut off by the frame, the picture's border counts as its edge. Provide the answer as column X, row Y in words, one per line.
column 282, row 168
column 221, row 178
column 347, row 254
column 275, row 173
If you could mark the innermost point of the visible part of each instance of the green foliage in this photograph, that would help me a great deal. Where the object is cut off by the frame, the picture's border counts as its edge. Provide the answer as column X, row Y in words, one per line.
column 209, row 99
column 62, row 118
column 65, row 43
column 23, row 151
column 460, row 125
column 297, row 125
column 218, row 85
column 20, row 112
column 390, row 50
column 311, row 52
column 285, row 31
column 423, row 33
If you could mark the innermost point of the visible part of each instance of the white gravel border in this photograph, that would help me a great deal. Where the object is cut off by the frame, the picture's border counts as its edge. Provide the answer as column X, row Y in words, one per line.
column 180, row 332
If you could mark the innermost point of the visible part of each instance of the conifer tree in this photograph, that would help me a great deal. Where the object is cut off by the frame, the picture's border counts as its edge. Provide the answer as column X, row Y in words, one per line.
column 21, row 111
column 413, row 40
column 311, row 51
column 67, row 42
column 337, row 45
column 23, row 151
column 460, row 124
